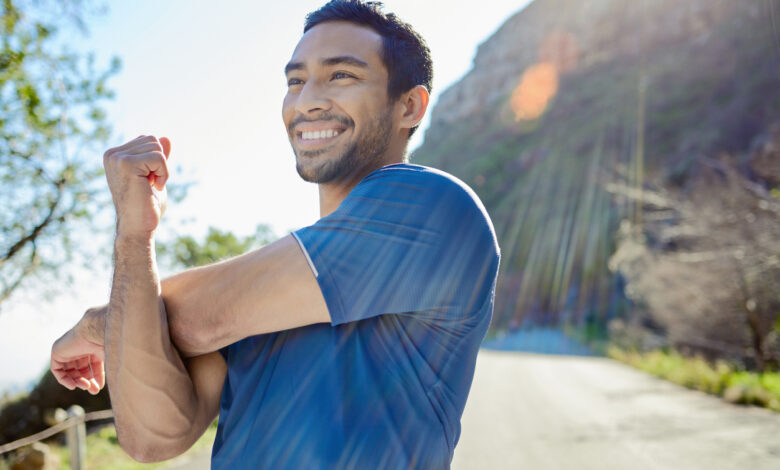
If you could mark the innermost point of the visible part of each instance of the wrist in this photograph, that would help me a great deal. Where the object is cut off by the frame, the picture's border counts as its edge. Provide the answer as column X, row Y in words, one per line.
column 134, row 241
column 92, row 325
column 143, row 237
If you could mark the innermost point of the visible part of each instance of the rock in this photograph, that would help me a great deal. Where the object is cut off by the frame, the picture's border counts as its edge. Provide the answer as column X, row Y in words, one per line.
column 36, row 457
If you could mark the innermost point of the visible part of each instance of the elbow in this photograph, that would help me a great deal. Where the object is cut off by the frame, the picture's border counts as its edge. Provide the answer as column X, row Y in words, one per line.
column 165, row 439
column 189, row 338
column 143, row 452
column 149, row 450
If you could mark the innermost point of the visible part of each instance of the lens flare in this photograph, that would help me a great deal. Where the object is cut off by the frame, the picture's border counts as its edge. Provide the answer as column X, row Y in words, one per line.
column 537, row 87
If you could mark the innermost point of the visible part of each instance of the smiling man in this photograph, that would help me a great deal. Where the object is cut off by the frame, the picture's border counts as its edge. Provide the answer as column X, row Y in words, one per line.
column 350, row 343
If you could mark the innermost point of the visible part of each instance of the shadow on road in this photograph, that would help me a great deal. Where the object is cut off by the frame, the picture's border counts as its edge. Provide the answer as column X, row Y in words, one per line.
column 538, row 340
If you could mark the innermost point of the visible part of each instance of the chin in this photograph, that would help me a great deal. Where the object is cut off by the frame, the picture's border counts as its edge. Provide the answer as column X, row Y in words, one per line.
column 316, row 172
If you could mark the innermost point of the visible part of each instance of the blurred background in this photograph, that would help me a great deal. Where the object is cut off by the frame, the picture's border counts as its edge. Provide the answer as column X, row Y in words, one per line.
column 628, row 153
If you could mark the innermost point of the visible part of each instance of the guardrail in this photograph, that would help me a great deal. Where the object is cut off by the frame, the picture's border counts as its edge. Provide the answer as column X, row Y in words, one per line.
column 73, row 423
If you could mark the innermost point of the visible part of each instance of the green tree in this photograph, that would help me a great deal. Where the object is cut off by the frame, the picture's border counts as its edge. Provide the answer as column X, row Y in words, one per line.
column 52, row 132
column 186, row 252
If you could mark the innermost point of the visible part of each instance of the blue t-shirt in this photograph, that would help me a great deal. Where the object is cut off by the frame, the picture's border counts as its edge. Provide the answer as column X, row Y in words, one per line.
column 407, row 265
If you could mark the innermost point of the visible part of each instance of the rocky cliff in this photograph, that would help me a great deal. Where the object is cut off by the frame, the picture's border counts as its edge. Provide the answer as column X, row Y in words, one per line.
column 569, row 97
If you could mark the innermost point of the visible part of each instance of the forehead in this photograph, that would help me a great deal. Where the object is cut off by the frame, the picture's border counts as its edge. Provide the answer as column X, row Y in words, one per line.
column 339, row 38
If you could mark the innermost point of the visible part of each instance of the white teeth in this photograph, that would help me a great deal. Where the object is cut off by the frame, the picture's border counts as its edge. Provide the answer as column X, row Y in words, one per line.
column 326, row 134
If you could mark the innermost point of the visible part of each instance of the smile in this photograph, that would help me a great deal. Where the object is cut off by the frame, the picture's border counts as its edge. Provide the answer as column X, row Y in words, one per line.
column 314, row 135
column 317, row 136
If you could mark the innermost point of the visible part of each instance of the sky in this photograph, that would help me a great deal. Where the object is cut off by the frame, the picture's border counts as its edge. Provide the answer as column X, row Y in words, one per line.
column 209, row 75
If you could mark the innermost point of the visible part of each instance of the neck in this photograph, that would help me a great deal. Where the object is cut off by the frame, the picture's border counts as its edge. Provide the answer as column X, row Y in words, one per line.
column 331, row 194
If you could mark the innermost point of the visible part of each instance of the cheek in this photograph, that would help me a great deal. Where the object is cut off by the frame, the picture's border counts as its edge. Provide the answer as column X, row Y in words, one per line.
column 288, row 110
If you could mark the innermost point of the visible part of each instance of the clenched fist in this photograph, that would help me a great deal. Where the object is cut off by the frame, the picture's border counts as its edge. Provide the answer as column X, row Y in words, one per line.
column 136, row 174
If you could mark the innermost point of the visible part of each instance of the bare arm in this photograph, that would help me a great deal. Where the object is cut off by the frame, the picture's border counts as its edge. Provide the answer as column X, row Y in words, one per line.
column 160, row 405
column 270, row 289
column 266, row 290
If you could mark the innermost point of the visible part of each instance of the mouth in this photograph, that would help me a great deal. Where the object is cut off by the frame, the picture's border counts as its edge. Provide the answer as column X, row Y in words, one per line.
column 311, row 136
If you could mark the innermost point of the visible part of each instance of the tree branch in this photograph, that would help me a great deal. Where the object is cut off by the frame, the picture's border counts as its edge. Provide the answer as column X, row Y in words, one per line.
column 33, row 235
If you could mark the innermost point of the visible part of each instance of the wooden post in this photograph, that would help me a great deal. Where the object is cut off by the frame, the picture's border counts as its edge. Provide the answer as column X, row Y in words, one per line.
column 76, row 437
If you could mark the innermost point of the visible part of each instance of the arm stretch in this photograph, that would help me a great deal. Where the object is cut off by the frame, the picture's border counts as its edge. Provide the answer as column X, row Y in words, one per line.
column 161, row 404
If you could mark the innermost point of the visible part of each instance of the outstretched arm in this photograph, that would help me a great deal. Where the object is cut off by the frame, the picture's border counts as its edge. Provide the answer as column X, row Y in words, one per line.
column 269, row 289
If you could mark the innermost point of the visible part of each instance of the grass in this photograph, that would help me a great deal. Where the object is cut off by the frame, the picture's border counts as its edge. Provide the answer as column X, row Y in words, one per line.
column 719, row 378
column 104, row 453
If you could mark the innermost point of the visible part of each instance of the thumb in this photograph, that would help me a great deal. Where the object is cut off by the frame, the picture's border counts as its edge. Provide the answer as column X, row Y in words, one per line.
column 166, row 145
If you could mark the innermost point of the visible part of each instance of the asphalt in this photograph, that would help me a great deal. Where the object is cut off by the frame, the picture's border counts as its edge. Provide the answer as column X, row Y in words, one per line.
column 530, row 411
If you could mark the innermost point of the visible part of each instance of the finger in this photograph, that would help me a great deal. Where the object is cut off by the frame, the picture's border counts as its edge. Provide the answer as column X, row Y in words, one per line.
column 166, row 145
column 74, row 375
column 100, row 373
column 67, row 382
column 144, row 147
column 158, row 168
column 82, row 362
column 82, row 383
column 129, row 144
column 64, row 379
column 150, row 165
column 71, row 378
column 93, row 389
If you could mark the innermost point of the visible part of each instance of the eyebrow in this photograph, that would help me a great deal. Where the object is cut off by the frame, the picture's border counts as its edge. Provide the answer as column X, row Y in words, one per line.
column 328, row 62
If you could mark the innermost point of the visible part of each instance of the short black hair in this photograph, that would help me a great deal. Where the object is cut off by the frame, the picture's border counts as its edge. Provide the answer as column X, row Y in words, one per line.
column 404, row 52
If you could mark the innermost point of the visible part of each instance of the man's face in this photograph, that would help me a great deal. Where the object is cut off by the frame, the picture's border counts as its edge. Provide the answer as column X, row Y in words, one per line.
column 336, row 110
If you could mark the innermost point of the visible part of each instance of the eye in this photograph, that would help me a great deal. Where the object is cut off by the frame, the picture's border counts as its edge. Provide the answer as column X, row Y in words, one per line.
column 294, row 81
column 339, row 75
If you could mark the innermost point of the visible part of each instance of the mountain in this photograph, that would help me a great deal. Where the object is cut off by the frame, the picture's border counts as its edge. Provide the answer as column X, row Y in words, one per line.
column 570, row 97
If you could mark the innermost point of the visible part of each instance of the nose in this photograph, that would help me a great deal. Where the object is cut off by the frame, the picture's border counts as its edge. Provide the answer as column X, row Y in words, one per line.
column 312, row 99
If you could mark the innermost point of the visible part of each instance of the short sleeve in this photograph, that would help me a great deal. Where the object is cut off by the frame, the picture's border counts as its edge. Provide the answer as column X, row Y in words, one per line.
column 406, row 239
column 224, row 352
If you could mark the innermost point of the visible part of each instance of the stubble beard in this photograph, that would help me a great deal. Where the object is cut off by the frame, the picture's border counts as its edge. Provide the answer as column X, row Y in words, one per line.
column 366, row 152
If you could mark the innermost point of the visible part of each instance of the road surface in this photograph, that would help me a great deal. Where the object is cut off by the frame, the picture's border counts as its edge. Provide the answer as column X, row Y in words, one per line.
column 543, row 412
column 529, row 411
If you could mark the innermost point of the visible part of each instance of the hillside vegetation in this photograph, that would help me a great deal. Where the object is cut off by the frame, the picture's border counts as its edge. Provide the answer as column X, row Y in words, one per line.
column 595, row 127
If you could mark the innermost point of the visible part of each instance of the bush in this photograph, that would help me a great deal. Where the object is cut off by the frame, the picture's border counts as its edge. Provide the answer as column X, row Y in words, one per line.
column 720, row 378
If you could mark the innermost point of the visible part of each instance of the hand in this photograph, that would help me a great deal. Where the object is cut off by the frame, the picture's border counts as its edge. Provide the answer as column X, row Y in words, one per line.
column 78, row 361
column 136, row 174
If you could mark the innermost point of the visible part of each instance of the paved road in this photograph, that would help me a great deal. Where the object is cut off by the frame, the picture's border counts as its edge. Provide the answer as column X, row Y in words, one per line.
column 539, row 412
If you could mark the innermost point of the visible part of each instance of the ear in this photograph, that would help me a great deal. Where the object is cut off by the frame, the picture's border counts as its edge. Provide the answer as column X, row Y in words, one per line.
column 413, row 103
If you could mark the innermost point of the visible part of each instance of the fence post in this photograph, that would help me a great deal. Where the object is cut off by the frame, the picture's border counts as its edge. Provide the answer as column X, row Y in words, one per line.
column 76, row 437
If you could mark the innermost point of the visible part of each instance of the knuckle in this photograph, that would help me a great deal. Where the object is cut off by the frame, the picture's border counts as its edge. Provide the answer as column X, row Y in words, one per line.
column 125, row 162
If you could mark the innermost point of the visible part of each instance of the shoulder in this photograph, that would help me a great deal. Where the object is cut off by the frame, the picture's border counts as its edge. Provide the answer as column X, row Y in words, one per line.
column 437, row 197
column 414, row 174
column 424, row 184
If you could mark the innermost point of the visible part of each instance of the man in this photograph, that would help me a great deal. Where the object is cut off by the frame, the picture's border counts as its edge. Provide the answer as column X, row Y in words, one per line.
column 350, row 343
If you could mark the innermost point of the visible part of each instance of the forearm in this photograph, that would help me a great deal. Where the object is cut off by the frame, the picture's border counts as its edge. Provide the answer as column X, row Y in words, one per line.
column 151, row 391
column 182, row 329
